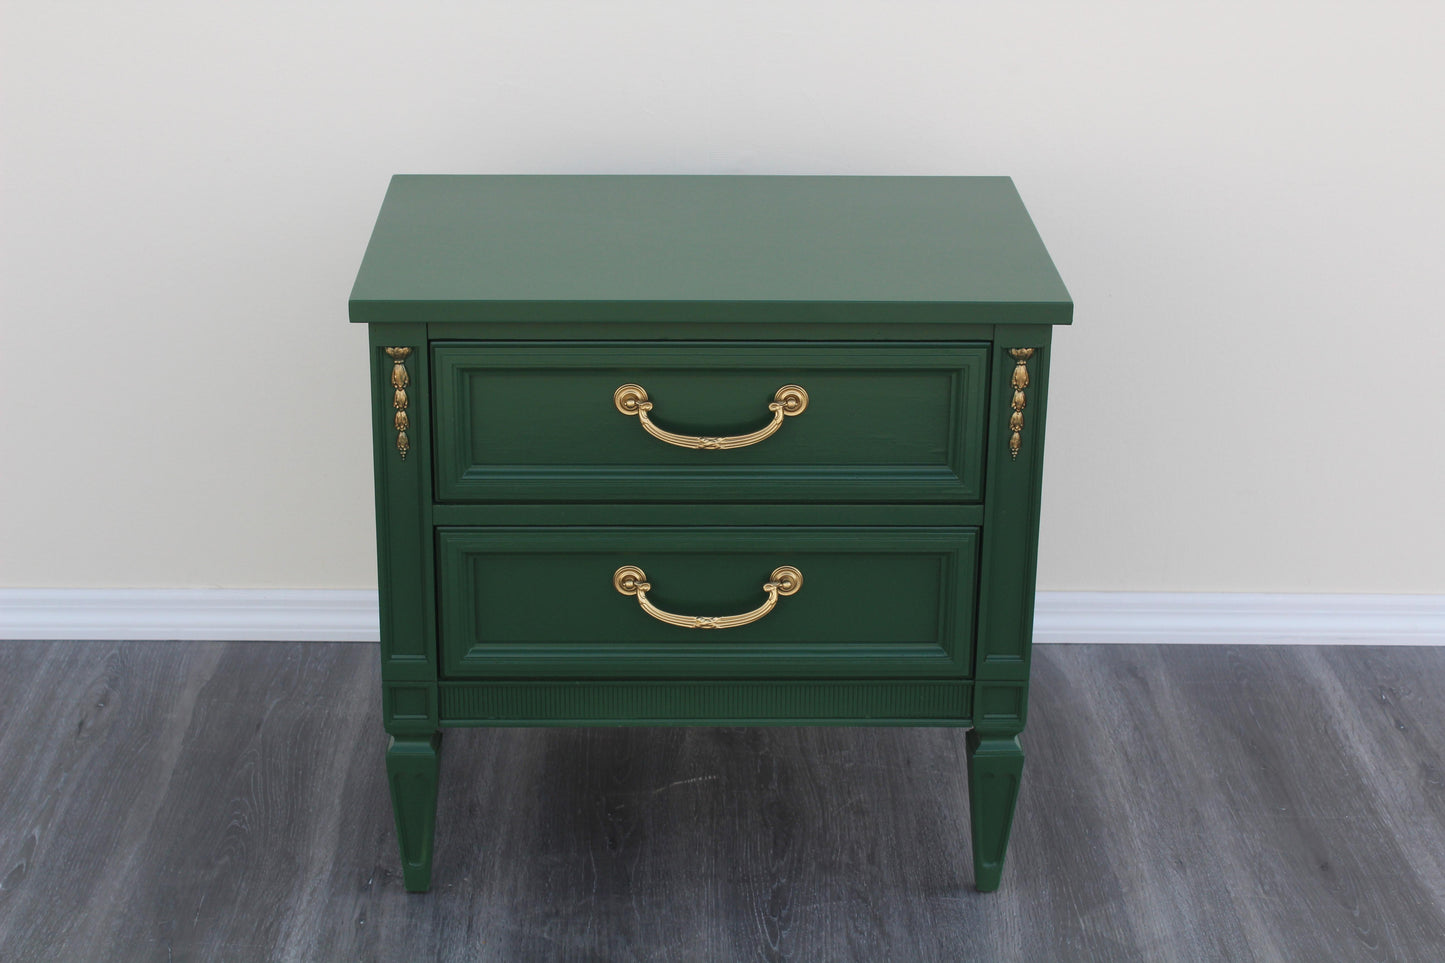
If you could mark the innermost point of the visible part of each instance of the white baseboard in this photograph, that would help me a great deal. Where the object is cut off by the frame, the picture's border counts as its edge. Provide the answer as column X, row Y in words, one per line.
column 1239, row 618
column 263, row 615
column 325, row 615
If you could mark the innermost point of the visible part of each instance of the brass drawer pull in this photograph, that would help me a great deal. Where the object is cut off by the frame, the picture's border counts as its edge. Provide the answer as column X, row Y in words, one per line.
column 631, row 580
column 788, row 401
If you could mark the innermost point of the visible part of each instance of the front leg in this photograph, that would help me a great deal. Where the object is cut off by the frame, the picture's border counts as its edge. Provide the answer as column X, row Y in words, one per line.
column 995, row 763
column 412, row 769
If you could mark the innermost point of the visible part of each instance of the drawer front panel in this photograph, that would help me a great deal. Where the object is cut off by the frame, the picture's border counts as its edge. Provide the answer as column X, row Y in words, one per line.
column 541, row 602
column 518, row 421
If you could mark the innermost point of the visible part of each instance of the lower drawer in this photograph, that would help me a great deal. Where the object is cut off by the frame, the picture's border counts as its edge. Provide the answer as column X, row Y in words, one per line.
column 641, row 602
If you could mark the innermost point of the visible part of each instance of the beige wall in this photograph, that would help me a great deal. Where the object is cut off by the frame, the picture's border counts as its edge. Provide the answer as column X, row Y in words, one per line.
column 1246, row 201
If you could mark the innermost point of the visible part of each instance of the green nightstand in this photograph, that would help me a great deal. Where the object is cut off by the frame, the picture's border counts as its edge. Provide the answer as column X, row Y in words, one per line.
column 707, row 451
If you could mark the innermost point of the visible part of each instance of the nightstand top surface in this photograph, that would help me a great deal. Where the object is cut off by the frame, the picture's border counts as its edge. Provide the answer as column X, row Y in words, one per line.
column 543, row 247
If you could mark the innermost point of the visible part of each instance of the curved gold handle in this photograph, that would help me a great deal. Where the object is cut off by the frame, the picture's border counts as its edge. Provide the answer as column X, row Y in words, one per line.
column 789, row 400
column 631, row 580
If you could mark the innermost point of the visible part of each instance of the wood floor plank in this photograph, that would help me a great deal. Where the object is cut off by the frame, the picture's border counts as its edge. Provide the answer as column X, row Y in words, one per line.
column 1286, row 786
column 100, row 737
column 227, row 801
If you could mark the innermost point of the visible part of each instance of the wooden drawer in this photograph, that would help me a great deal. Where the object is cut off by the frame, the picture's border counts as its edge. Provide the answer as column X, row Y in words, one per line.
column 542, row 602
column 520, row 421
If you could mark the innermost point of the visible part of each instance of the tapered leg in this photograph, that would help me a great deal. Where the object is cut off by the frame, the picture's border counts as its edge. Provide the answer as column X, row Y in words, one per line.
column 412, row 767
column 994, row 766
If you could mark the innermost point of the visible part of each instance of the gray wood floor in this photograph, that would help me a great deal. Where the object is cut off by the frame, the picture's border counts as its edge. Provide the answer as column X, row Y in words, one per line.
column 225, row 801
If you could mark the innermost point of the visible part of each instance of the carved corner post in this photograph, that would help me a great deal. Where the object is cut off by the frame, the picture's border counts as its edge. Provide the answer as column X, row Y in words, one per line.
column 409, row 690
column 403, row 521
column 1006, row 598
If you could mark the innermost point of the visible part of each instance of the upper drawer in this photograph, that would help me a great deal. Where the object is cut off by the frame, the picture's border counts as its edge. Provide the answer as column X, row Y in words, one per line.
column 524, row 421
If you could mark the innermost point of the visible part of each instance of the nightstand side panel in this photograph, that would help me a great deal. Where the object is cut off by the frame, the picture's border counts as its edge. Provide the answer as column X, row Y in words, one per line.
column 1018, row 400
column 401, row 449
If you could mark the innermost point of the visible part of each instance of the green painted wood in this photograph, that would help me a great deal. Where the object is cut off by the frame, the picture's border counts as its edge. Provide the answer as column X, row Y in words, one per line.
column 790, row 515
column 612, row 702
column 1000, row 706
column 891, row 602
column 528, row 300
column 1010, row 534
column 785, row 322
column 413, row 767
column 646, row 248
column 405, row 555
column 409, row 707
column 995, row 765
column 1010, row 558
column 528, row 421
